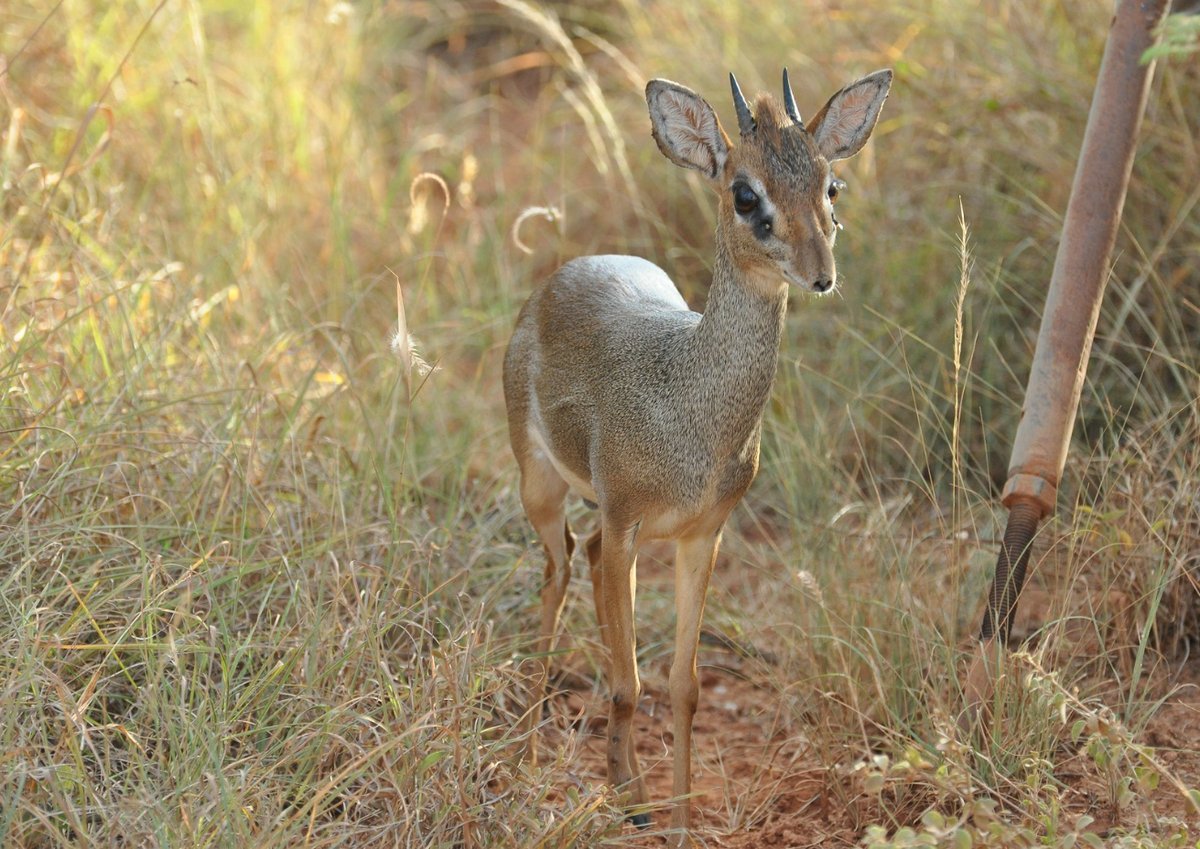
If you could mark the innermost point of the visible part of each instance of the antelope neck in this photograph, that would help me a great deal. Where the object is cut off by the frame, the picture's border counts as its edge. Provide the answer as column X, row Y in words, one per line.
column 735, row 346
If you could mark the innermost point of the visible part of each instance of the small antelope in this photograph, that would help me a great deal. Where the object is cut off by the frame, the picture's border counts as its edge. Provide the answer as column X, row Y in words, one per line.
column 616, row 391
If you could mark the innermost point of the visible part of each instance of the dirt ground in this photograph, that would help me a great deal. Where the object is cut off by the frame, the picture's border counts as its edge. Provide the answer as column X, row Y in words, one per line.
column 758, row 785
column 754, row 786
column 760, row 788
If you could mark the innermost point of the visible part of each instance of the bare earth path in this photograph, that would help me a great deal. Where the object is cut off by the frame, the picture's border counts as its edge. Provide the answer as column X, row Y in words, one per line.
column 760, row 788
column 755, row 786
column 760, row 785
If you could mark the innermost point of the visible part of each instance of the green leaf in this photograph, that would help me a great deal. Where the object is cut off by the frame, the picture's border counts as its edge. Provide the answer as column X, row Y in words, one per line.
column 430, row 759
column 1147, row 778
column 1125, row 794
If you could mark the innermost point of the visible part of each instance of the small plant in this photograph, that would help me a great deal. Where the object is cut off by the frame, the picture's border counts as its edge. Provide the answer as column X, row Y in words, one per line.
column 1179, row 37
column 1037, row 809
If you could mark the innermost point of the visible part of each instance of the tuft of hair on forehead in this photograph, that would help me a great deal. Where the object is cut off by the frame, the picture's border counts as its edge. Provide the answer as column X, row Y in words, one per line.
column 788, row 149
column 770, row 115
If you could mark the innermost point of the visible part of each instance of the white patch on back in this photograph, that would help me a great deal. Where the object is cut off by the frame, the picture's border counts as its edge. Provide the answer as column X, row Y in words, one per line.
column 638, row 278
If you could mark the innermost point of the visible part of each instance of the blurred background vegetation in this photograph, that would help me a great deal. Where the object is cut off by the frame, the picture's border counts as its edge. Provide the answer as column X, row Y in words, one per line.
column 250, row 589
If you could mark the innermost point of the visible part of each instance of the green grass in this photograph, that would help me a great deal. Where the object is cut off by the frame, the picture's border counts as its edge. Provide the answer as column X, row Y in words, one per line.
column 253, row 593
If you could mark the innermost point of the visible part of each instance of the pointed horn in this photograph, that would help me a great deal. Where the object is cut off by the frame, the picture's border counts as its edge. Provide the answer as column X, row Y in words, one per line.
column 746, row 123
column 789, row 101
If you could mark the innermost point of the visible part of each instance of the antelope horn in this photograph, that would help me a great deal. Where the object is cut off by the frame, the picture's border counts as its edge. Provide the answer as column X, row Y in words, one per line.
column 789, row 101
column 746, row 124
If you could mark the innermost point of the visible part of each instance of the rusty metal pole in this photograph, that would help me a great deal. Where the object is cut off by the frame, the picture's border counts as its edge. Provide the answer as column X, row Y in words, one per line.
column 1064, row 341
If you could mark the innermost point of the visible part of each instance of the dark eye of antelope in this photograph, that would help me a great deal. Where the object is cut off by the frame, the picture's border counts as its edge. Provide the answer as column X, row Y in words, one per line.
column 835, row 188
column 745, row 200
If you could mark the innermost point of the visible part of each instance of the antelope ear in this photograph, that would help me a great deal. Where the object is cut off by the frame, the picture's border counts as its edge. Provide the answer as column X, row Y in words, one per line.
column 686, row 128
column 845, row 123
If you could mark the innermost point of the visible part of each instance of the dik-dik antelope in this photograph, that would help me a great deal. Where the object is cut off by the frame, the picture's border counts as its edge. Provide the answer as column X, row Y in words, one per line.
column 618, row 392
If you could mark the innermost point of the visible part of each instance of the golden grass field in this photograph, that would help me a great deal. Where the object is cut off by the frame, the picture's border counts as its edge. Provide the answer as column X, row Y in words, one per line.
column 262, row 585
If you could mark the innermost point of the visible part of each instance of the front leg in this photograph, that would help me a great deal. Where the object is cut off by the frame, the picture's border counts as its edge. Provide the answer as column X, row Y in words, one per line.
column 694, row 559
column 618, row 582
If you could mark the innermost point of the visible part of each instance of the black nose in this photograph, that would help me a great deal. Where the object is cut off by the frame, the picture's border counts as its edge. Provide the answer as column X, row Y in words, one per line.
column 822, row 284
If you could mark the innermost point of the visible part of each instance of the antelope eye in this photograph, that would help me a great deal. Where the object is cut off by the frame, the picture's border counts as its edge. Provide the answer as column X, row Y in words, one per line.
column 745, row 200
column 835, row 188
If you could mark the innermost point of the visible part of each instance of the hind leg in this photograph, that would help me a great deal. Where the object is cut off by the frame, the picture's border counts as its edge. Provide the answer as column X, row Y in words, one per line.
column 592, row 547
column 543, row 493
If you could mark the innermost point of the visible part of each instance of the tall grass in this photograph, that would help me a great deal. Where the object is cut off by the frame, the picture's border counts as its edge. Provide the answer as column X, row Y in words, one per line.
column 256, row 591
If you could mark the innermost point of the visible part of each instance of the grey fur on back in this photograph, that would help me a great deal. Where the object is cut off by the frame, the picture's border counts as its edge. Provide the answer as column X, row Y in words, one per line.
column 608, row 361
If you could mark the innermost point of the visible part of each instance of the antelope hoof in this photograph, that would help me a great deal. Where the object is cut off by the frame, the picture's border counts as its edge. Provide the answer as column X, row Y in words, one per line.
column 641, row 820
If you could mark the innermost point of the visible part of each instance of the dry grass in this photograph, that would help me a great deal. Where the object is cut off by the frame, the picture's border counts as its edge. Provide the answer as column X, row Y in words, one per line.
column 260, row 585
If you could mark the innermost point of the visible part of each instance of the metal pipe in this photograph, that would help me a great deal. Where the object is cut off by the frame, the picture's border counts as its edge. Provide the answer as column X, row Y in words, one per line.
column 1081, row 265
column 1072, row 307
